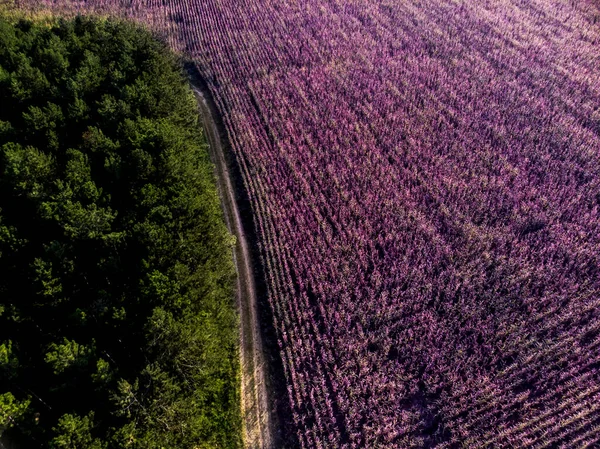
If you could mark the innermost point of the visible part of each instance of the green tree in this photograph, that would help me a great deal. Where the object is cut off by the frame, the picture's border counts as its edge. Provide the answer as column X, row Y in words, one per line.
column 75, row 432
column 117, row 320
column 68, row 354
column 11, row 411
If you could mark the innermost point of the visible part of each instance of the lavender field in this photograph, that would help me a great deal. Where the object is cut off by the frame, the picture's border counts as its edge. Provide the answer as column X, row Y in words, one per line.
column 424, row 177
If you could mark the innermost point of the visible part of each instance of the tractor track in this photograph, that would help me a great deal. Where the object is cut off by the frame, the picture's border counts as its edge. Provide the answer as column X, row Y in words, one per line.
column 256, row 405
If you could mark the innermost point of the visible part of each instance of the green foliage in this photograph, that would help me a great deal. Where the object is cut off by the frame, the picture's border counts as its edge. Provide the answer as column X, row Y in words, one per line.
column 27, row 169
column 117, row 322
column 67, row 354
column 8, row 361
column 74, row 432
column 103, row 374
column 11, row 411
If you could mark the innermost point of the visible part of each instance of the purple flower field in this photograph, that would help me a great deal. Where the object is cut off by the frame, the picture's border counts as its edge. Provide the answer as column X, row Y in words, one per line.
column 425, row 181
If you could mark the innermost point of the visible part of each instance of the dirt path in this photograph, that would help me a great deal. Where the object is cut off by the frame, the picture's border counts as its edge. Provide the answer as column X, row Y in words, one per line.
column 258, row 419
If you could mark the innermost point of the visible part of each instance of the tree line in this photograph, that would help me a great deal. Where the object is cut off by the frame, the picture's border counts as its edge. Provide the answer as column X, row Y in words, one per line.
column 118, row 326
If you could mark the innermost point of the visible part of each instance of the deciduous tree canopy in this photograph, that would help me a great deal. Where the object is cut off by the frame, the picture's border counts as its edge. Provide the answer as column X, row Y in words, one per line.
column 117, row 322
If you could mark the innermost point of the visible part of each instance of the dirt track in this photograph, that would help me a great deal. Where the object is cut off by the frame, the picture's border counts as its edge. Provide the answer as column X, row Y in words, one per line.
column 258, row 418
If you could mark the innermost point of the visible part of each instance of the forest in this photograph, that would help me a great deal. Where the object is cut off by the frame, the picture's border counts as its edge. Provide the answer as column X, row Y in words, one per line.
column 118, row 327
